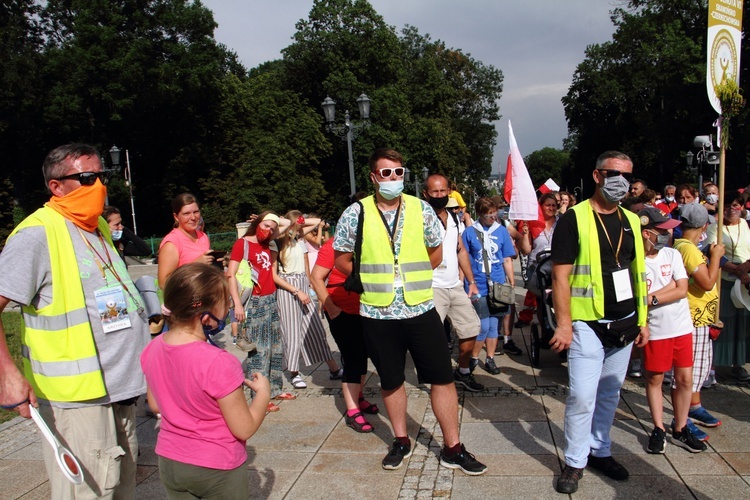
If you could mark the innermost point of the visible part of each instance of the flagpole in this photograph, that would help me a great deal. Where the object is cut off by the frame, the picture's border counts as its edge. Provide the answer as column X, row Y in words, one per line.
column 720, row 211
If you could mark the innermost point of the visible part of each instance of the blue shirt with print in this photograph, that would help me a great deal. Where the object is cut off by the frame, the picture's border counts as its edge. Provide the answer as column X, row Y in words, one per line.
column 501, row 247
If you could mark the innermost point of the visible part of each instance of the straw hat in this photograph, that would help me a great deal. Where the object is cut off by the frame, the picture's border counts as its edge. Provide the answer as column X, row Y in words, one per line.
column 740, row 296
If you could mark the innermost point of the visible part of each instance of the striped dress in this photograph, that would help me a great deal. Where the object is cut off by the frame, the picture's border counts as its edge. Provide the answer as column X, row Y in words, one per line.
column 301, row 328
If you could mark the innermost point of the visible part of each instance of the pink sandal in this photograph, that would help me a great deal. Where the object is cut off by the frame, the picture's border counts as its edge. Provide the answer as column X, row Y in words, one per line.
column 358, row 422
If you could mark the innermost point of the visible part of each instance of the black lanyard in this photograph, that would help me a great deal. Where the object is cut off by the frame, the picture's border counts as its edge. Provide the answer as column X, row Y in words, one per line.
column 391, row 232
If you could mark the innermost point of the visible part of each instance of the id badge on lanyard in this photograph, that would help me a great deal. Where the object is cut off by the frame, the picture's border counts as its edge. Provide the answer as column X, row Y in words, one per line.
column 113, row 308
column 623, row 288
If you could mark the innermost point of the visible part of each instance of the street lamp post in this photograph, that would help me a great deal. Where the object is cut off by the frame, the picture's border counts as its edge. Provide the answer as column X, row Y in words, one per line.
column 114, row 154
column 702, row 158
column 407, row 178
column 349, row 130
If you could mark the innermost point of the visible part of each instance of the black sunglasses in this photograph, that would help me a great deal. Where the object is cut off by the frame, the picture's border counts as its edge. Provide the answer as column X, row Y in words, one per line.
column 614, row 173
column 88, row 178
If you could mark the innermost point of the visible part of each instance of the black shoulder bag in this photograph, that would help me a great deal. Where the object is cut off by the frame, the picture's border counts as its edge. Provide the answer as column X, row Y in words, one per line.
column 353, row 282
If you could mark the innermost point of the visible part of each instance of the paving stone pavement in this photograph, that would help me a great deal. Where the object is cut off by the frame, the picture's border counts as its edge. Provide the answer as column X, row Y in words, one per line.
column 515, row 427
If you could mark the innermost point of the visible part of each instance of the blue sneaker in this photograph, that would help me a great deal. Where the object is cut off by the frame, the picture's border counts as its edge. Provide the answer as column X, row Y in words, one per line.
column 702, row 417
column 694, row 430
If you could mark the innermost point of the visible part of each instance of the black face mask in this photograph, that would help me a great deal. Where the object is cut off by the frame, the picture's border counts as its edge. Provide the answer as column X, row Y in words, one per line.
column 438, row 203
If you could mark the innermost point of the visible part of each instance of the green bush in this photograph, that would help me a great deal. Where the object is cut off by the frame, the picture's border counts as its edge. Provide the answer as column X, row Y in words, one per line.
column 12, row 324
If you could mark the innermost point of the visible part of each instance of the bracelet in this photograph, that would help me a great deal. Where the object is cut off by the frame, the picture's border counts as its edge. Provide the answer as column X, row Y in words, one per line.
column 295, row 292
column 472, row 282
column 11, row 407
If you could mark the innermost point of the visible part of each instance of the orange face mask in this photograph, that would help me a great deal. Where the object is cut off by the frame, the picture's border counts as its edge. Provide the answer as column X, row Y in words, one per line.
column 82, row 206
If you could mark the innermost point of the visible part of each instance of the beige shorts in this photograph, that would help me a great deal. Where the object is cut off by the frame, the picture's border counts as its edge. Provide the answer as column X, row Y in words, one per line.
column 454, row 303
column 103, row 440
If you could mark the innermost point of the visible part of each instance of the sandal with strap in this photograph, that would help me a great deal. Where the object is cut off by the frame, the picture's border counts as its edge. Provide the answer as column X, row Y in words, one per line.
column 286, row 395
column 367, row 407
column 298, row 383
column 358, row 422
column 272, row 408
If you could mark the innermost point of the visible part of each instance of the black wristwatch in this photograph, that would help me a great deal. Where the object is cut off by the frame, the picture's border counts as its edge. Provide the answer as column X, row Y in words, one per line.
column 654, row 300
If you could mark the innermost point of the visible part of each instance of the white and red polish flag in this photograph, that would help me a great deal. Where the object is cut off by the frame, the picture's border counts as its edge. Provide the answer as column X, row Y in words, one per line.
column 548, row 186
column 519, row 190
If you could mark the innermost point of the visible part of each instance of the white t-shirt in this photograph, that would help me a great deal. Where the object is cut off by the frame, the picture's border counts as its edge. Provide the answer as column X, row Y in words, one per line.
column 294, row 257
column 666, row 321
column 446, row 274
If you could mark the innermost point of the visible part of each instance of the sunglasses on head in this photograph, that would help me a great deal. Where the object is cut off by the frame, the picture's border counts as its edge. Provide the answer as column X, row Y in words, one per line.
column 387, row 172
column 605, row 172
column 88, row 178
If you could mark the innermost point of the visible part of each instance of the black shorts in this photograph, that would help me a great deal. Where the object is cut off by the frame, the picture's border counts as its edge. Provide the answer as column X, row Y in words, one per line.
column 388, row 340
column 346, row 330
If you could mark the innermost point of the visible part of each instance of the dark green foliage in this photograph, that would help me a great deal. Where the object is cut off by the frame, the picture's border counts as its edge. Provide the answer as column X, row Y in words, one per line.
column 548, row 163
column 148, row 76
column 644, row 93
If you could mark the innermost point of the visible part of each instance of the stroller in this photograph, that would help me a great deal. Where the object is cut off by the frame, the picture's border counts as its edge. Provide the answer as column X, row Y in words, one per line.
column 540, row 284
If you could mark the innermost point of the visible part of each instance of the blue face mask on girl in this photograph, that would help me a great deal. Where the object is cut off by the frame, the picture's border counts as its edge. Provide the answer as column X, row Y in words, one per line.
column 211, row 331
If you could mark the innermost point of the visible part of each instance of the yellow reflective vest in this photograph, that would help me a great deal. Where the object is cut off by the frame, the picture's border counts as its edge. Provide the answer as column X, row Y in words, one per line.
column 59, row 354
column 586, row 282
column 377, row 269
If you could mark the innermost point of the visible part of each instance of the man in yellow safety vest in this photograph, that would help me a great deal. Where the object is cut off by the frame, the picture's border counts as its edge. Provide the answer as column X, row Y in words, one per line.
column 401, row 239
column 599, row 294
column 83, row 328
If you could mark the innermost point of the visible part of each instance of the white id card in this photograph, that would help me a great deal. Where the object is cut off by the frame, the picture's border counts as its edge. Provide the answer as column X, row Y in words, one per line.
column 623, row 288
column 113, row 309
column 397, row 283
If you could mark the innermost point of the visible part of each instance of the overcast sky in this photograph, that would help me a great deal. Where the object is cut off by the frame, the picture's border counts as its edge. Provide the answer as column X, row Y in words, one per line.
column 536, row 44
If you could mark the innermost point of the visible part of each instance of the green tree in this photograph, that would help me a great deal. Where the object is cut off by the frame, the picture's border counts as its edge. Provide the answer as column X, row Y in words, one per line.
column 267, row 158
column 432, row 103
column 643, row 92
column 547, row 163
column 142, row 74
column 20, row 86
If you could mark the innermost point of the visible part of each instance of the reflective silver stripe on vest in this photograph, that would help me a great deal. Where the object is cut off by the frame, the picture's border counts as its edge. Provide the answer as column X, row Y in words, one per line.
column 415, row 266
column 581, row 292
column 413, row 286
column 643, row 277
column 58, row 322
column 378, row 287
column 581, row 269
column 376, row 268
column 61, row 368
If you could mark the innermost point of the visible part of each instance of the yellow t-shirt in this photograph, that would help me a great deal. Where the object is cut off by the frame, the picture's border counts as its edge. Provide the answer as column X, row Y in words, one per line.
column 459, row 199
column 702, row 303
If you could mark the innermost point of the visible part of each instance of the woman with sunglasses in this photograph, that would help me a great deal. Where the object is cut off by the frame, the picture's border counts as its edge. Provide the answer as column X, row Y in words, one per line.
column 489, row 241
column 732, row 348
column 186, row 242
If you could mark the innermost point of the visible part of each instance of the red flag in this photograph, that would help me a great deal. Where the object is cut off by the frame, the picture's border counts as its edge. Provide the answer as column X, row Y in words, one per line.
column 508, row 188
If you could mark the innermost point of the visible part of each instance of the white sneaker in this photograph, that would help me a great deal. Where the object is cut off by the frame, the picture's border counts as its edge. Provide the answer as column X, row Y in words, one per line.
column 711, row 380
column 668, row 377
column 636, row 369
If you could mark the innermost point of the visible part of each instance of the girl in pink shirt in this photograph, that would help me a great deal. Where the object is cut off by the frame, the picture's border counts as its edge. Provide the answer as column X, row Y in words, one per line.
column 197, row 388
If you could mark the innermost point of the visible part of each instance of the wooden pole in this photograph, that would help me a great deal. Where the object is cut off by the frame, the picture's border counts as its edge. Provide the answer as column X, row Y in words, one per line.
column 720, row 215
